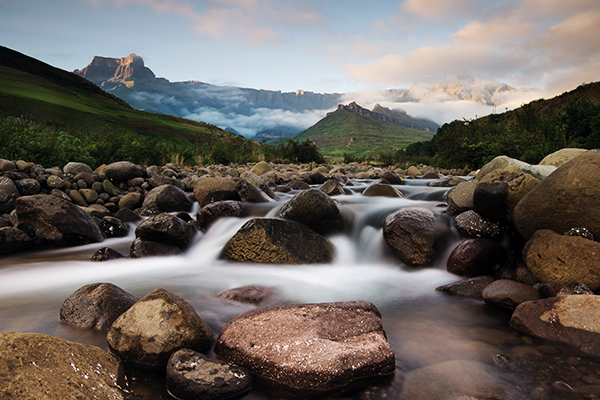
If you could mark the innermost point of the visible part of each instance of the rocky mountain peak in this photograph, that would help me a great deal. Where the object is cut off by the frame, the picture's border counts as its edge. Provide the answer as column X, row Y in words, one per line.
column 104, row 69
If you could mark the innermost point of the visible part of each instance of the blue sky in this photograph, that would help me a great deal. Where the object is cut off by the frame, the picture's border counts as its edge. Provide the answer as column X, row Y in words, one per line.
column 321, row 46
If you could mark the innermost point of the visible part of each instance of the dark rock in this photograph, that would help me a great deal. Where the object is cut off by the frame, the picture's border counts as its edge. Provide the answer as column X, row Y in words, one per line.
column 471, row 287
column 213, row 211
column 392, row 178
column 340, row 345
column 460, row 198
column 52, row 220
column 84, row 176
column 210, row 190
column 551, row 289
column 299, row 185
column 123, row 170
column 382, row 190
column 581, row 232
column 248, row 294
column 333, row 188
column 74, row 168
column 60, row 194
column 146, row 248
column 473, row 224
column 490, row 200
column 133, row 182
column 167, row 198
column 159, row 324
column 5, row 220
column 96, row 306
column 28, row 187
column 126, row 215
column 508, row 294
column 431, row 175
column 250, row 193
column 316, row 178
column 6, row 166
column 159, row 180
column 413, row 234
column 106, row 254
column 167, row 229
column 191, row 376
column 110, row 188
column 13, row 239
column 563, row 259
column 580, row 288
column 275, row 241
column 314, row 209
column 60, row 369
column 113, row 227
column 476, row 257
column 8, row 195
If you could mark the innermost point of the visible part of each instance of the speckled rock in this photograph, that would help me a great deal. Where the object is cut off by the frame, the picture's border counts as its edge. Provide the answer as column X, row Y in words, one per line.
column 28, row 187
column 382, row 190
column 60, row 369
column 473, row 224
column 192, row 376
column 310, row 349
column 475, row 257
column 159, row 324
column 508, row 294
column 314, row 209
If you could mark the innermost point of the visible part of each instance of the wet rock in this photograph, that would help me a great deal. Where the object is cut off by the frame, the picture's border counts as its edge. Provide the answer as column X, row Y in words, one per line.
column 220, row 209
column 210, row 190
column 131, row 200
column 460, row 198
column 471, row 287
column 580, row 288
column 333, row 188
column 28, row 187
column 113, row 227
column 167, row 229
column 191, row 376
column 96, row 306
column 250, row 193
column 275, row 241
column 551, row 289
column 248, row 294
column 121, row 171
column 430, row 175
column 563, row 259
column 475, row 257
column 147, row 248
column 106, row 254
column 564, row 200
column 571, row 320
column 560, row 157
column 74, row 168
column 126, row 215
column 8, row 195
column 383, row 190
column 13, row 239
column 340, row 345
column 52, row 220
column 36, row 366
column 508, row 294
column 392, row 178
column 314, row 209
column 447, row 181
column 473, row 224
column 581, row 232
column 167, row 198
column 413, row 234
column 159, row 324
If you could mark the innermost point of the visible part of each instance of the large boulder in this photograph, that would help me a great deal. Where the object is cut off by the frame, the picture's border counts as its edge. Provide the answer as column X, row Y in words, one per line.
column 123, row 171
column 275, row 241
column 333, row 188
column 501, row 162
column 476, row 257
column 52, row 220
column 563, row 259
column 250, row 193
column 209, row 190
column 8, row 195
column 382, row 190
column 167, row 229
column 167, row 198
column 36, row 366
column 564, row 200
column 96, row 306
column 141, row 248
column 311, row 349
column 220, row 209
column 13, row 239
column 159, row 324
column 413, row 234
column 314, row 209
column 460, row 198
column 560, row 157
column 572, row 320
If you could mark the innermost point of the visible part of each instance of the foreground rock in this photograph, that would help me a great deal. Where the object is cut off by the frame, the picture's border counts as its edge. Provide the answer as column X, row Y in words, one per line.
column 159, row 324
column 274, row 241
column 314, row 209
column 508, row 294
column 311, row 349
column 191, row 376
column 213, row 211
column 413, row 234
column 475, row 257
column 96, row 306
column 471, row 287
column 571, row 320
column 13, row 239
column 167, row 229
column 210, row 190
column 167, row 198
column 36, row 366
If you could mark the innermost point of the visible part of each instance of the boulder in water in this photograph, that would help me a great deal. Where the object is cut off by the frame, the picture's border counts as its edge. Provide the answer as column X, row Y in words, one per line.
column 508, row 294
column 147, row 248
column 210, row 190
column 314, row 209
column 471, row 287
column 475, row 257
column 106, row 254
column 248, row 294
column 392, row 178
column 167, row 198
column 250, row 193
column 213, row 211
column 382, row 190
column 167, row 229
column 333, row 188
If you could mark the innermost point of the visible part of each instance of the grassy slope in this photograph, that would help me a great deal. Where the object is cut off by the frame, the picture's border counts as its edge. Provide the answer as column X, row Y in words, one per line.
column 346, row 132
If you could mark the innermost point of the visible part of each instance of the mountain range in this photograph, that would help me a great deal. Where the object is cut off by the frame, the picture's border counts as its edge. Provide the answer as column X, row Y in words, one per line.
column 262, row 114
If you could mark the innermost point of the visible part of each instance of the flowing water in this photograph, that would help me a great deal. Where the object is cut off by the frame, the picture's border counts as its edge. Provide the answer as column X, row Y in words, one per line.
column 424, row 327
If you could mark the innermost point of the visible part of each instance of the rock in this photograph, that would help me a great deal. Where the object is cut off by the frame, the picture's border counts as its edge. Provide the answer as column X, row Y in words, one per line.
column 7, row 166
column 160, row 180
column 499, row 163
column 167, row 198
column 191, row 376
column 210, row 190
column 126, row 215
column 413, row 171
column 333, row 188
column 248, row 294
column 299, row 185
column 447, row 181
column 55, row 182
column 261, row 167
column 61, row 194
column 250, row 193
column 383, row 190
column 472, row 224
column 167, row 229
column 110, row 188
column 96, row 306
column 560, row 157
column 8, row 195
column 571, row 320
column 77, row 198
column 581, row 232
column 86, row 177
column 159, row 324
column 551, row 289
column 259, row 182
column 508, row 294
column 310, row 349
column 89, row 195
column 564, row 200
column 74, row 168
column 123, row 170
column 430, row 175
column 471, row 287
column 36, row 366
column 476, row 257
column 316, row 178
column 451, row 380
column 563, row 259
column 55, row 221
column 136, row 182
column 28, row 187
column 460, row 198
column 413, row 234
column 314, row 209
column 275, row 241
column 13, row 239
column 131, row 200
column 113, row 227
column 220, row 209
column 106, row 254
column 147, row 248
column 392, row 178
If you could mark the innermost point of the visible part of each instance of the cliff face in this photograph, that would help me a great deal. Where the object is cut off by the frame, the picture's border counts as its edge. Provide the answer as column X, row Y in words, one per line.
column 115, row 70
column 391, row 117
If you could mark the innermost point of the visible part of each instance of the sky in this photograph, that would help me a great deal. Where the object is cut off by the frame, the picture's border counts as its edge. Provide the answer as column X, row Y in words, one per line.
column 322, row 46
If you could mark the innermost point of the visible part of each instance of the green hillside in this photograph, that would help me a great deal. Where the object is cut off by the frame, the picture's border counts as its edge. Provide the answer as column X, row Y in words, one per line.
column 40, row 104
column 344, row 132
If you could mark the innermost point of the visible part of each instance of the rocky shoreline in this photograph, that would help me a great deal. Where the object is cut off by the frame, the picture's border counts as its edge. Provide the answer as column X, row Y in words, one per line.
column 530, row 248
